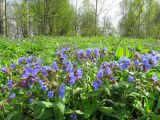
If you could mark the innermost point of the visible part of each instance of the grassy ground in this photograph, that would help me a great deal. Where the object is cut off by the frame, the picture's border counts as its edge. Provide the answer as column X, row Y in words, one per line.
column 45, row 47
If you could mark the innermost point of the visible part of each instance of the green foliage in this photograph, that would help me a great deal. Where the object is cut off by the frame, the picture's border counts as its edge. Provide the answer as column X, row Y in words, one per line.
column 117, row 101
column 47, row 17
column 140, row 19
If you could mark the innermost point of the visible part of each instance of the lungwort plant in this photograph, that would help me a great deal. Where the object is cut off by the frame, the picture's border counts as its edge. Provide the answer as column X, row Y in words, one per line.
column 91, row 84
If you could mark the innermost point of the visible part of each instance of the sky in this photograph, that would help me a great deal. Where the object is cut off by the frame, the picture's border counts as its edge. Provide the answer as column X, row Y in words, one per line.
column 113, row 11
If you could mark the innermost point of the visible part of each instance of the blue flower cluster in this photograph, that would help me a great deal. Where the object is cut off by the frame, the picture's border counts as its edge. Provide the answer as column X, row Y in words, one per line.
column 10, row 84
column 96, row 84
column 62, row 90
column 91, row 54
column 74, row 73
column 140, row 62
column 53, row 79
column 74, row 116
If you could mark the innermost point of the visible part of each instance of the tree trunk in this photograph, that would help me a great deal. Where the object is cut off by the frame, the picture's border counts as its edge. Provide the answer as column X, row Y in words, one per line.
column 5, row 15
column 96, row 14
column 1, row 17
column 76, row 26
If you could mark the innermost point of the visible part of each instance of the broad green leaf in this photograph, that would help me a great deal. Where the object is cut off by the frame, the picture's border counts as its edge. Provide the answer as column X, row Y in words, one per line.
column 61, row 106
column 120, row 52
column 68, row 111
column 11, row 115
column 106, row 109
column 45, row 114
column 79, row 112
column 127, row 53
column 46, row 104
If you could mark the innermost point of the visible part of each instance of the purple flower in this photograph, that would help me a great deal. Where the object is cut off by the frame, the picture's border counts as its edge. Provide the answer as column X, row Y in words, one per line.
column 21, row 60
column 33, row 80
column 154, row 52
column 23, row 83
column 100, row 74
column 69, row 67
column 147, row 66
column 30, row 72
column 155, row 78
column 81, row 54
column 30, row 101
column 136, row 62
column 65, row 62
column 13, row 66
column 39, row 67
column 108, row 71
column 44, row 88
column 62, row 90
column 73, row 117
column 121, row 66
column 61, row 51
column 63, row 56
column 158, row 57
column 154, row 62
column 54, row 65
column 104, row 52
column 10, row 84
column 42, row 85
column 61, row 94
column 4, row 70
column 144, row 61
column 149, row 56
column 124, row 63
column 71, row 74
column 88, row 52
column 75, row 63
column 96, row 84
column 29, row 59
column 30, row 85
column 47, row 68
column 105, row 49
column 26, row 75
column 50, row 94
column 126, row 60
column 44, row 72
column 114, row 79
column 13, row 95
column 131, row 79
column 72, row 80
column 79, row 73
column 68, row 49
column 96, row 52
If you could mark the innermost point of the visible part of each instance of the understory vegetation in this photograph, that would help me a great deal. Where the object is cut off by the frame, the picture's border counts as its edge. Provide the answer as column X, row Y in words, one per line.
column 78, row 78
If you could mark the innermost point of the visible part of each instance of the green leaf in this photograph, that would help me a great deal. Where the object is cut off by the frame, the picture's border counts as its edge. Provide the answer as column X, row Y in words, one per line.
column 89, row 108
column 127, row 53
column 45, row 104
column 137, row 104
column 68, row 111
column 134, row 94
column 45, row 114
column 120, row 52
column 11, row 115
column 106, row 109
column 109, row 111
column 61, row 107
column 79, row 112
